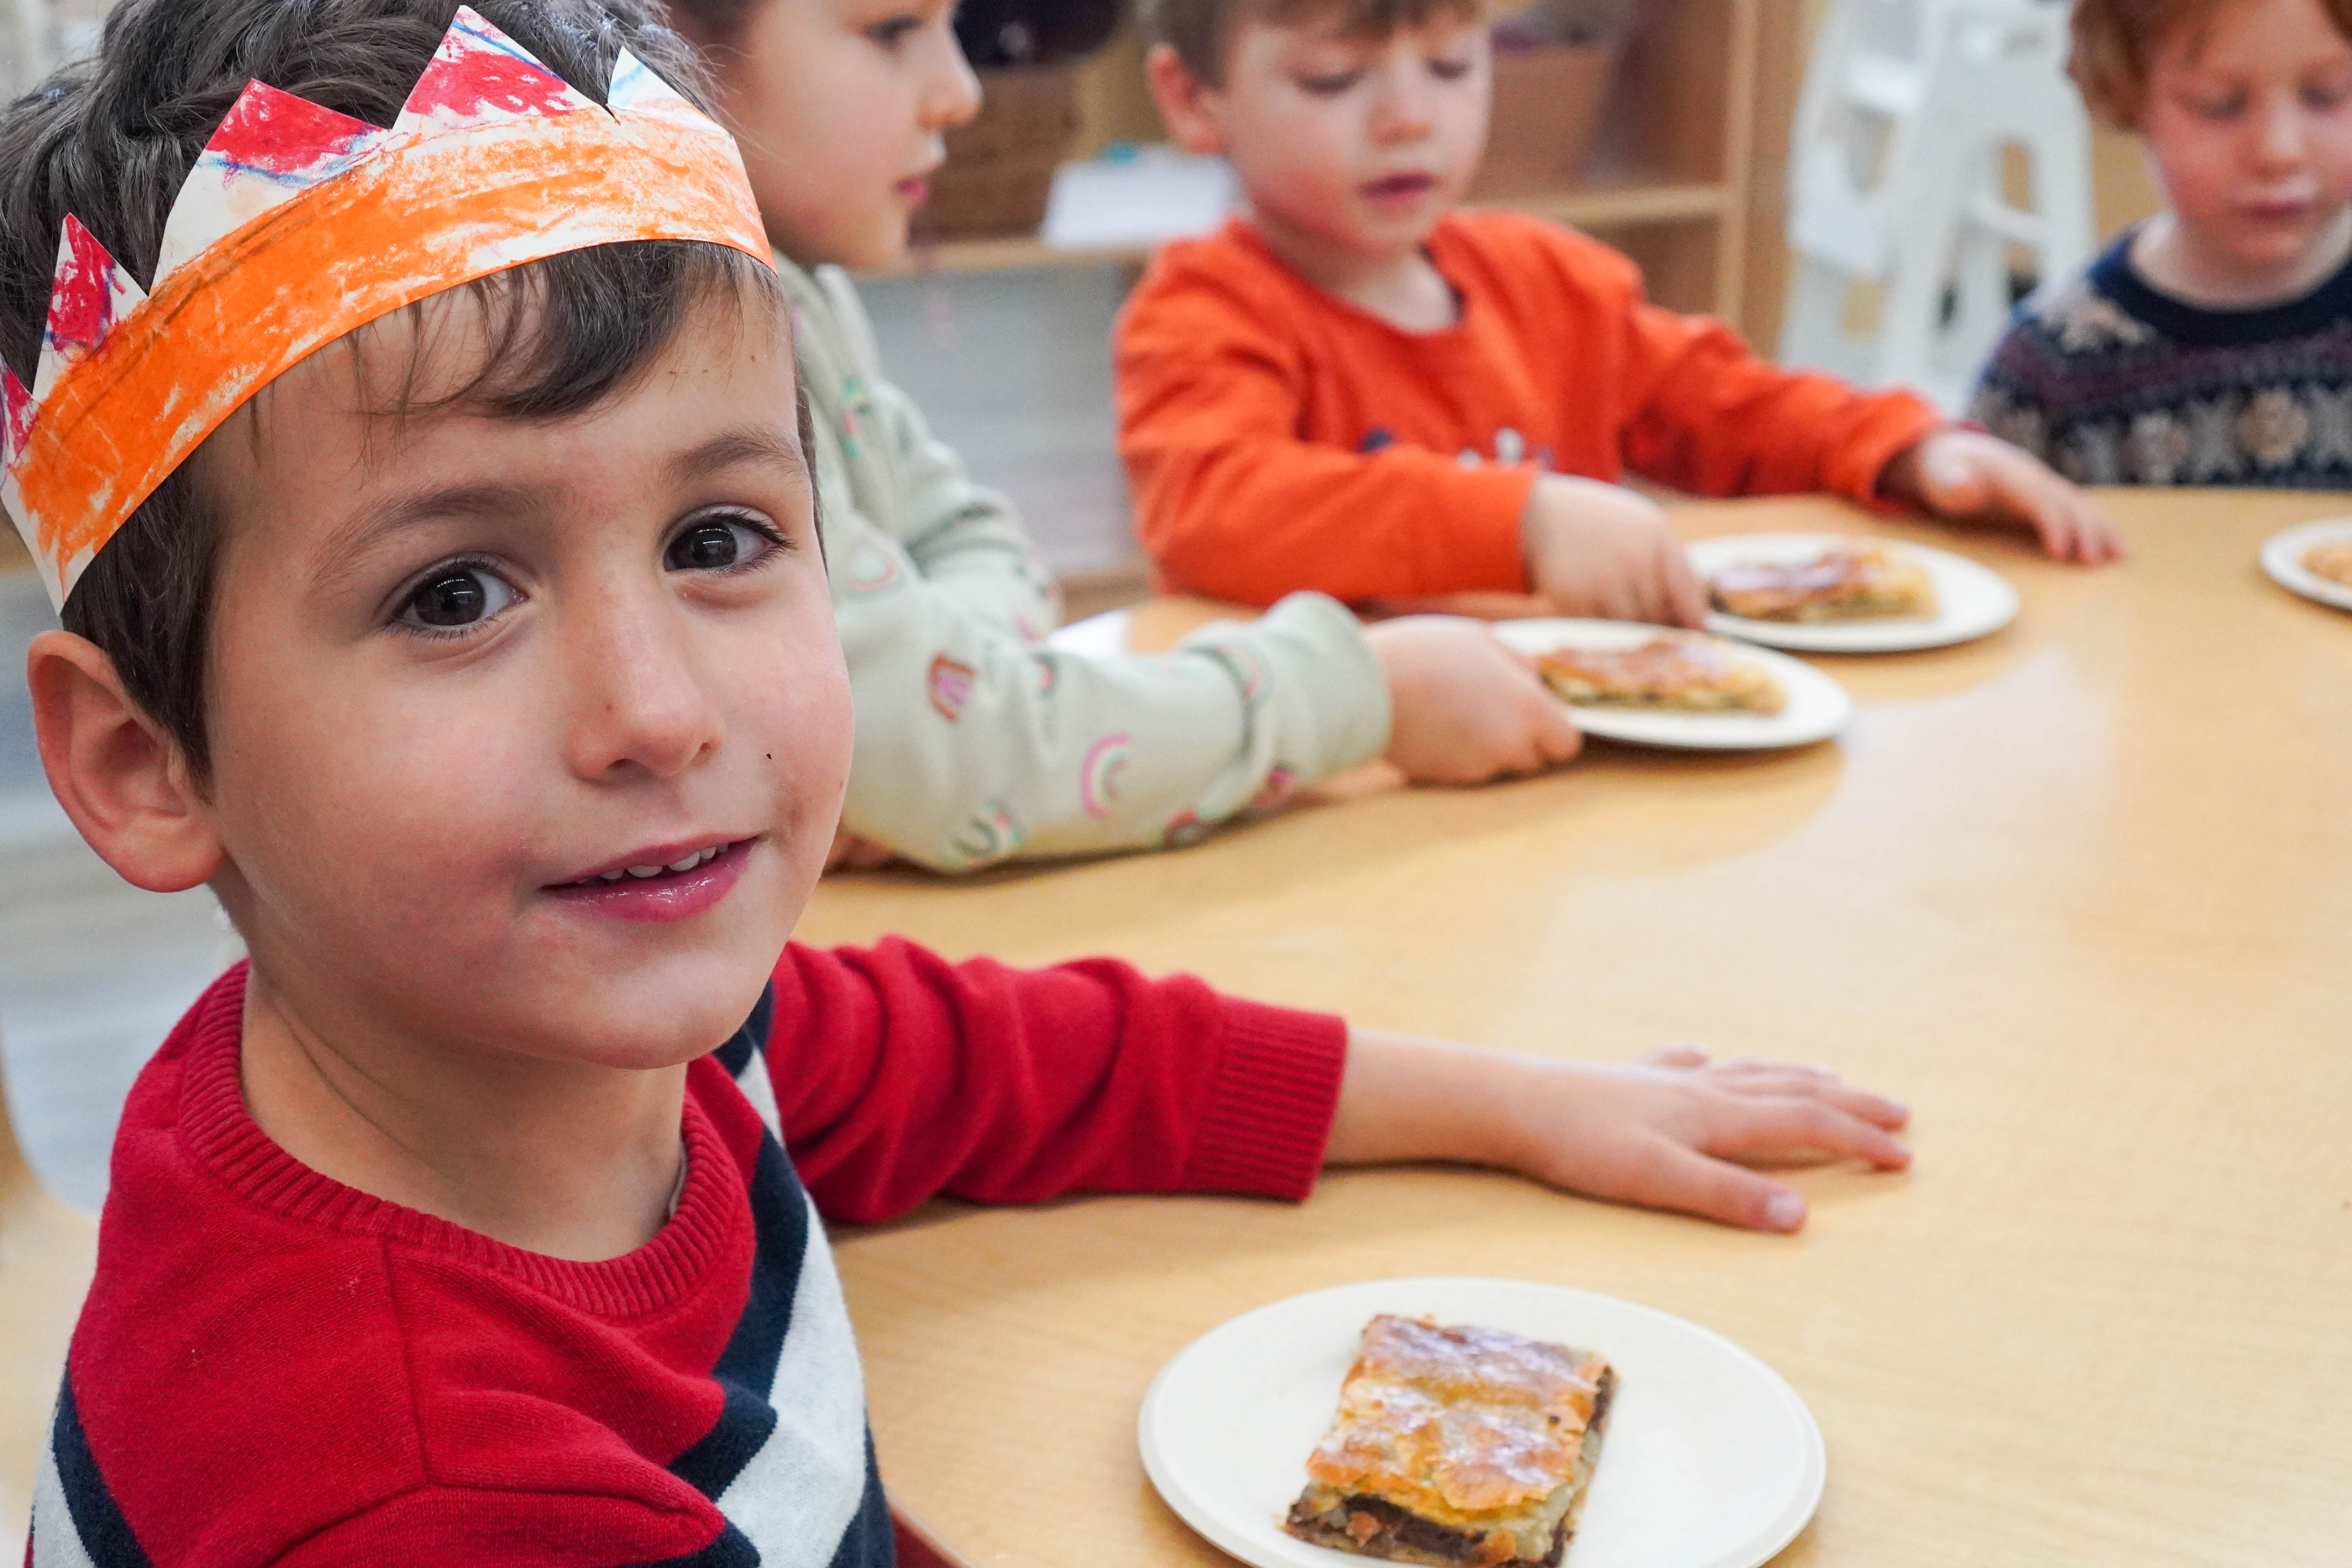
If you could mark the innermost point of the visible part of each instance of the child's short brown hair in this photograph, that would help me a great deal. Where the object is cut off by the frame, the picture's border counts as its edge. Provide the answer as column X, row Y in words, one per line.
column 1200, row 30
column 2115, row 41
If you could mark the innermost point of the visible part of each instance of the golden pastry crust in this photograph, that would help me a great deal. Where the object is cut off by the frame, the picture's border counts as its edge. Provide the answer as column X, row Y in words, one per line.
column 1689, row 674
column 1456, row 1446
column 2331, row 559
column 1847, row 581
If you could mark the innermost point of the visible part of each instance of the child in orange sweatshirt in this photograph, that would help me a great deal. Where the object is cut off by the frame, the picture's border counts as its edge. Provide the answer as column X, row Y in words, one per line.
column 1356, row 389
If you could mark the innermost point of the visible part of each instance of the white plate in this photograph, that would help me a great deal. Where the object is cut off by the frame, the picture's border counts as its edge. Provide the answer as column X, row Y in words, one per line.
column 1971, row 600
column 2282, row 559
column 1818, row 706
column 1710, row 1460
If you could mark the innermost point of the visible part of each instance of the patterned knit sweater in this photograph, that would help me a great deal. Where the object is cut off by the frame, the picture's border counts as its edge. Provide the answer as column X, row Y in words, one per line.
column 2112, row 383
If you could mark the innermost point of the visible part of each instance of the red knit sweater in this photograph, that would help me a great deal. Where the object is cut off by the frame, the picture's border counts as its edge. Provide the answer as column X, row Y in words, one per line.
column 273, row 1367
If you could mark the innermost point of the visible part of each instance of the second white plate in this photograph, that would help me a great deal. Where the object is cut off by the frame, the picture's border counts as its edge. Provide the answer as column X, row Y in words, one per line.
column 2283, row 556
column 1971, row 600
column 1818, row 706
column 1711, row 1460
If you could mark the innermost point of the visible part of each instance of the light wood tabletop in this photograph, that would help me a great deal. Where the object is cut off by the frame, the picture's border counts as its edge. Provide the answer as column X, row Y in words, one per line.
column 2080, row 892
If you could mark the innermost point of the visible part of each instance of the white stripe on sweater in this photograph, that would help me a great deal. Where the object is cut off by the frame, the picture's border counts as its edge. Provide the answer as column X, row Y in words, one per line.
column 56, row 1542
column 796, row 1497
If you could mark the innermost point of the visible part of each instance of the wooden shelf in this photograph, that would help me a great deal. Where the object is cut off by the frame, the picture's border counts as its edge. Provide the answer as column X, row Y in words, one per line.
column 1611, row 204
column 1607, row 205
column 1688, row 172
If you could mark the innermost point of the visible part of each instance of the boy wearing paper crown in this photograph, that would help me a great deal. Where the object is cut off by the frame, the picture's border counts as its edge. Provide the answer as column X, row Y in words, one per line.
column 483, row 665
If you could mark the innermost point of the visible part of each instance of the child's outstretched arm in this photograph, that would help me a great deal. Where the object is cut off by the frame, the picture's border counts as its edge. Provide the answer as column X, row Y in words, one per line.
column 1970, row 477
column 1662, row 1132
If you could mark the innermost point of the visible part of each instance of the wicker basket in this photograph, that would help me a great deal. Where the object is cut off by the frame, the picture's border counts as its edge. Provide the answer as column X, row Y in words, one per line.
column 1548, row 104
column 1000, row 168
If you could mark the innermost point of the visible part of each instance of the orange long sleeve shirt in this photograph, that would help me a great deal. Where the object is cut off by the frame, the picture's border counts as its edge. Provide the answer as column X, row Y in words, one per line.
column 1277, row 438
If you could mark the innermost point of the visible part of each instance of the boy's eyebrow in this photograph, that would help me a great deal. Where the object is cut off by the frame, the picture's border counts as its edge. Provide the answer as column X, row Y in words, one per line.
column 346, row 549
column 751, row 444
column 348, row 545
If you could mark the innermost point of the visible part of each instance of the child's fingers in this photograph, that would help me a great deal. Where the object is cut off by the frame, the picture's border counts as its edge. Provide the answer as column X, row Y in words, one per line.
column 1766, row 1083
column 1686, row 601
column 1682, row 1179
column 1556, row 738
column 1796, row 1124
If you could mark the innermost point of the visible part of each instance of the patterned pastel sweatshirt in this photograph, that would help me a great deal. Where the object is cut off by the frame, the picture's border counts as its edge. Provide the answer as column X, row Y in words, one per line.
column 977, row 742
column 2112, row 383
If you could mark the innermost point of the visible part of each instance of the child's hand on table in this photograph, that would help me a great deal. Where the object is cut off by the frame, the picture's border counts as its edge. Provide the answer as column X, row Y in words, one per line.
column 1464, row 708
column 1969, row 477
column 1662, row 1132
column 1595, row 549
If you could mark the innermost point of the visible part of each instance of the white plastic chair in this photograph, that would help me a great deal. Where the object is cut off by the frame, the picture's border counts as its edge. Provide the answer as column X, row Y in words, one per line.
column 1912, row 115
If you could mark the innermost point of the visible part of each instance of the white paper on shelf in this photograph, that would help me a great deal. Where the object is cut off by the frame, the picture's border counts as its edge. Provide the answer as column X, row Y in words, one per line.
column 1153, row 196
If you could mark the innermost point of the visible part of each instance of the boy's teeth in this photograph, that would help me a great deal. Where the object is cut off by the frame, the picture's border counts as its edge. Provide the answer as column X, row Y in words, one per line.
column 699, row 858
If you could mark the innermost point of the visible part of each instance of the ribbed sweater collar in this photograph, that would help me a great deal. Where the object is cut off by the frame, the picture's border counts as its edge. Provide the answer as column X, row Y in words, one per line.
column 220, row 1135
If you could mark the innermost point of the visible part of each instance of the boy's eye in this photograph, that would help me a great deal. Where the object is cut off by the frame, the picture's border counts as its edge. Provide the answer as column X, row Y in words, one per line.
column 456, row 596
column 1329, row 85
column 1449, row 70
column 895, row 30
column 719, row 543
column 2221, row 108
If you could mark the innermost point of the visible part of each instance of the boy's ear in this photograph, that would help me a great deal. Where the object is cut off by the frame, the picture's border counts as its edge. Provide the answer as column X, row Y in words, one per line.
column 119, row 776
column 1187, row 105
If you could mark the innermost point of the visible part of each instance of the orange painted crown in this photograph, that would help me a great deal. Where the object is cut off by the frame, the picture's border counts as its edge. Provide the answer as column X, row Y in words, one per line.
column 299, row 225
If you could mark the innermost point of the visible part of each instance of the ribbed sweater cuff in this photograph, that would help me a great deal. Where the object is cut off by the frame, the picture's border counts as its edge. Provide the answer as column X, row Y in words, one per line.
column 1903, row 424
column 1269, row 1113
column 1480, row 547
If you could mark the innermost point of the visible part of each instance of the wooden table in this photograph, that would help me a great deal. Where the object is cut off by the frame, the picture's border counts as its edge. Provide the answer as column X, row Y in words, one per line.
column 2081, row 892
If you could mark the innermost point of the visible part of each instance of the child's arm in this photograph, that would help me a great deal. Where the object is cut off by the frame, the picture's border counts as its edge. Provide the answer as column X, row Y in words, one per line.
column 976, row 743
column 900, row 1076
column 1662, row 1132
column 1971, row 477
column 1717, row 420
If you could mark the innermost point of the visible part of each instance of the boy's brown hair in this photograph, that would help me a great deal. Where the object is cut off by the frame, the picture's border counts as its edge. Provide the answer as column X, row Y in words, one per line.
column 1201, row 30
column 2115, row 42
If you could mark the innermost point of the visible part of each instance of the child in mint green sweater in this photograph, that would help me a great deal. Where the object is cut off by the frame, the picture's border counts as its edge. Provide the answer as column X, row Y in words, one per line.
column 975, row 742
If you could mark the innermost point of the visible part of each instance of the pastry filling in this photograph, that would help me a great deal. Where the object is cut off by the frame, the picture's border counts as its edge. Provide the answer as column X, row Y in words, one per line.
column 1845, row 581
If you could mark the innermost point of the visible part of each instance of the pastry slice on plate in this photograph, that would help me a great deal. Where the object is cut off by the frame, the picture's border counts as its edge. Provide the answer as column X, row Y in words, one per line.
column 1845, row 581
column 1458, row 1446
column 1687, row 674
column 2330, row 559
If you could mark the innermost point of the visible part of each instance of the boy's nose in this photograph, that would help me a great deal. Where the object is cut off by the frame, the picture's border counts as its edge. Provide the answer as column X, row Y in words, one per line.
column 950, row 91
column 2281, row 136
column 1401, row 110
column 639, row 702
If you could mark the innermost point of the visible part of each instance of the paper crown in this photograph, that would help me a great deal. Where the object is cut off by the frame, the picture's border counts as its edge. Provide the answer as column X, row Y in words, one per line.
column 299, row 225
